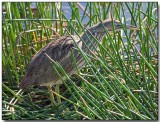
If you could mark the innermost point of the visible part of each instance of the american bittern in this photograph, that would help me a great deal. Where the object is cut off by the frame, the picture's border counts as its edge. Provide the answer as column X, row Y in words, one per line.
column 40, row 71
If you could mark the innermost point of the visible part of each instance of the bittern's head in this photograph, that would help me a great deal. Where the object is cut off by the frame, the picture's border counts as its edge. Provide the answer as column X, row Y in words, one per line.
column 109, row 24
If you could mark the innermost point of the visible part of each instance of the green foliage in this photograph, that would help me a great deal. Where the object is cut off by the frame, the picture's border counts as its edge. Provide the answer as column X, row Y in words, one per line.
column 119, row 80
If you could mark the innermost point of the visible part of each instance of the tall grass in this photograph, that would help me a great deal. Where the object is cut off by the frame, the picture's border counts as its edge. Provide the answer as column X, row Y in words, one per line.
column 118, row 82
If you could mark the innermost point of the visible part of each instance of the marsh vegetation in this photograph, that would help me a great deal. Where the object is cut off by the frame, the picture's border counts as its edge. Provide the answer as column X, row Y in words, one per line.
column 119, row 80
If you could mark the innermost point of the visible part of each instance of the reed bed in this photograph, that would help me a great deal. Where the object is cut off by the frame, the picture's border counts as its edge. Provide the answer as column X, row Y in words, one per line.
column 118, row 82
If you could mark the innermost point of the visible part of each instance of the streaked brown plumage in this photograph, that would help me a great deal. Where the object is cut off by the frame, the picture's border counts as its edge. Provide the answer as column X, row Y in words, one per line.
column 40, row 71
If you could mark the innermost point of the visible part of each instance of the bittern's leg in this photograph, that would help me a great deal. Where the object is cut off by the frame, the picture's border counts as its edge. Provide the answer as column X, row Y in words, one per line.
column 57, row 91
column 51, row 96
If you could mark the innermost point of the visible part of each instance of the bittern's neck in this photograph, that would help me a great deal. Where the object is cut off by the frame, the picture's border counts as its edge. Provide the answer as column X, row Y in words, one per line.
column 89, row 38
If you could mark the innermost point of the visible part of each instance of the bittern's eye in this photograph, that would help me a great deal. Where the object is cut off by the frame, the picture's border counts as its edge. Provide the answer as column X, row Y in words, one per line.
column 119, row 26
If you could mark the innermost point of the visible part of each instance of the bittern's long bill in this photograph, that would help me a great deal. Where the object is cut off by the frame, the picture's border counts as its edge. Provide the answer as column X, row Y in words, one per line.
column 40, row 72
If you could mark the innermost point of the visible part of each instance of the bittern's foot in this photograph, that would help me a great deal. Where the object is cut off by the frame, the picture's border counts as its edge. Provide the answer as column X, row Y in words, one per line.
column 52, row 97
column 57, row 91
column 54, row 103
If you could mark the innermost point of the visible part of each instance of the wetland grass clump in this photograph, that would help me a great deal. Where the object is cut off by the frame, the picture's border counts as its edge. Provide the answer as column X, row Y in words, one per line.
column 119, row 80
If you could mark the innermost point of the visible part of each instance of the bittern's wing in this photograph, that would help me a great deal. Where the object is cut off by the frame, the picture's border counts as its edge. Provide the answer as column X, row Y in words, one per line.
column 40, row 71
